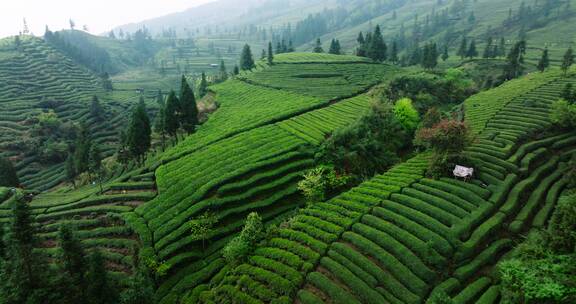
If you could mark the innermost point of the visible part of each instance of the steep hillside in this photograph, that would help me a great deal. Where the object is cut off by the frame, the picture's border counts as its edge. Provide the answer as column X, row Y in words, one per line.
column 399, row 236
column 248, row 157
column 446, row 22
column 36, row 78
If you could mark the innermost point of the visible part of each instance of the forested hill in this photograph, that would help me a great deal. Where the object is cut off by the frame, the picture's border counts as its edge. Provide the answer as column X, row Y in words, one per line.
column 409, row 23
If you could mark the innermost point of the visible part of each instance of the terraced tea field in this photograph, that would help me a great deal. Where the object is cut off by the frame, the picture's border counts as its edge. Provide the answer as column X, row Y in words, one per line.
column 35, row 73
column 399, row 237
column 248, row 157
column 98, row 219
column 323, row 80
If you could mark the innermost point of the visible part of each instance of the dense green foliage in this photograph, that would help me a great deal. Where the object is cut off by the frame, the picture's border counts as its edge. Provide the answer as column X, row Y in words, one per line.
column 367, row 146
column 8, row 175
column 542, row 268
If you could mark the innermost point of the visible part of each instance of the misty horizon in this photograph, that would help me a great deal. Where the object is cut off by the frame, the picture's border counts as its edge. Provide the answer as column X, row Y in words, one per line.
column 85, row 16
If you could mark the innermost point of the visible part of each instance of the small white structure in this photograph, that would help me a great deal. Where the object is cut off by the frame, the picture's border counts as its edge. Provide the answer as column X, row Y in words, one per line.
column 463, row 172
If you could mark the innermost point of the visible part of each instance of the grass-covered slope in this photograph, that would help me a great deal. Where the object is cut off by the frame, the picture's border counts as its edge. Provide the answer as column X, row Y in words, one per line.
column 397, row 237
column 248, row 157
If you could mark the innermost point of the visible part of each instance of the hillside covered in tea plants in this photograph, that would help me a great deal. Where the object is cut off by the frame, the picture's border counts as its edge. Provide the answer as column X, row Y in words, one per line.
column 293, row 152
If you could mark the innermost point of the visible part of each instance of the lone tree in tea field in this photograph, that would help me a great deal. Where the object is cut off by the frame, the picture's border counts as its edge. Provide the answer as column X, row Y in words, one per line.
column 171, row 123
column 568, row 60
column 203, row 87
column 188, row 108
column 8, row 175
column 318, row 48
column 202, row 227
column 270, row 54
column 544, row 62
column 246, row 59
column 139, row 132
column 95, row 165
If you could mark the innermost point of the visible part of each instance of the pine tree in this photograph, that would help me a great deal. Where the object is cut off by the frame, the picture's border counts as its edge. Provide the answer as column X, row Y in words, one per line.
column 123, row 152
column 502, row 48
column 377, row 49
column 8, row 175
column 100, row 289
column 430, row 56
column 171, row 123
column 139, row 132
column 263, row 55
column 246, row 59
column 472, row 51
column 462, row 51
column 236, row 70
column 291, row 47
column 318, row 48
column 567, row 60
column 106, row 82
column 270, row 54
column 223, row 73
column 488, row 50
column 141, row 289
column 361, row 50
column 159, row 125
column 445, row 54
column 335, row 47
column 394, row 52
column 72, row 263
column 544, row 62
column 203, row 87
column 96, row 110
column 160, row 98
column 71, row 170
column 515, row 60
column 23, row 277
column 188, row 107
column 95, row 164
column 82, row 150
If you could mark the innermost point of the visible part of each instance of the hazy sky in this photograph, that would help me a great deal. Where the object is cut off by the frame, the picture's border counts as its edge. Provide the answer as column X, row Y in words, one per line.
column 99, row 15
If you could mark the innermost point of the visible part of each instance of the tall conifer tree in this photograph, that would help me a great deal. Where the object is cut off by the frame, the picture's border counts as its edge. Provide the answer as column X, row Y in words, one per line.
column 189, row 109
column 377, row 49
column 567, row 60
column 544, row 62
column 203, row 88
column 246, row 59
column 171, row 123
column 73, row 265
column 8, row 175
column 139, row 132
column 270, row 54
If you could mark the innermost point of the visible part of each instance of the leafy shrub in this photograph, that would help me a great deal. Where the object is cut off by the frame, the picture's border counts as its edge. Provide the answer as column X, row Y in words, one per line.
column 562, row 227
column 431, row 118
column 563, row 114
column 239, row 247
column 236, row 250
column 321, row 181
column 428, row 90
column 367, row 146
column 543, row 267
column 406, row 114
column 447, row 140
column 568, row 93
